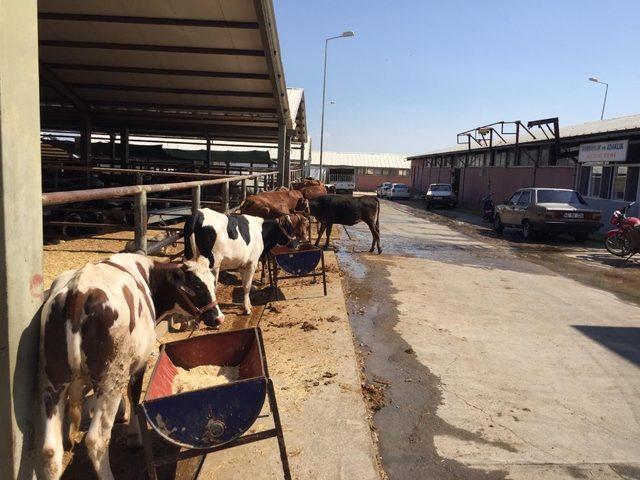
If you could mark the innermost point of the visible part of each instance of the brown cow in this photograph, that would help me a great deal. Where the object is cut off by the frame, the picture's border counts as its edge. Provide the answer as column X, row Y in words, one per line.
column 307, row 182
column 273, row 205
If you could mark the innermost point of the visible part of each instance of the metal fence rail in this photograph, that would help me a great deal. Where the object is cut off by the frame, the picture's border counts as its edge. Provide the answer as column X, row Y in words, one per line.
column 140, row 192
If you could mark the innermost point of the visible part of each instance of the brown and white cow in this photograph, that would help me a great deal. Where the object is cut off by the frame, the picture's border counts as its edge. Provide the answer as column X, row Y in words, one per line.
column 98, row 330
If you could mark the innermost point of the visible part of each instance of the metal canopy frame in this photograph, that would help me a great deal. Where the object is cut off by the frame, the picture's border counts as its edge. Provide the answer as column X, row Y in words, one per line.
column 212, row 68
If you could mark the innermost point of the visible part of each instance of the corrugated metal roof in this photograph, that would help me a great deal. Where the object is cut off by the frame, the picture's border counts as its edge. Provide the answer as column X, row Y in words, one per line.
column 358, row 159
column 631, row 122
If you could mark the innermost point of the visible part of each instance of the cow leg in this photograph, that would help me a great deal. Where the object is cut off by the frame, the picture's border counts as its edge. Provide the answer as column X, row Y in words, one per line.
column 320, row 232
column 134, row 439
column 76, row 393
column 375, row 236
column 52, row 448
column 216, row 274
column 247, row 278
column 328, row 241
column 99, row 434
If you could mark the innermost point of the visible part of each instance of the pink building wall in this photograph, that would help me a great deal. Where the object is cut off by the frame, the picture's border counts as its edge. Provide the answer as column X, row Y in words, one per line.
column 503, row 181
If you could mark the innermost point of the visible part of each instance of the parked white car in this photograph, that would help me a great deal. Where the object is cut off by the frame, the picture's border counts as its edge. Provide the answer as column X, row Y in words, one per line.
column 383, row 189
column 398, row 191
column 440, row 194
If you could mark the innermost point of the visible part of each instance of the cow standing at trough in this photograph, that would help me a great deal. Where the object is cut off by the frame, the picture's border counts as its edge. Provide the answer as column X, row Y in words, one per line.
column 234, row 242
column 347, row 210
column 98, row 330
column 273, row 205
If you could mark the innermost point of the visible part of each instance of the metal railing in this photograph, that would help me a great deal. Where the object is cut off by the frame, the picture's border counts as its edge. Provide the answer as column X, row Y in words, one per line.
column 140, row 192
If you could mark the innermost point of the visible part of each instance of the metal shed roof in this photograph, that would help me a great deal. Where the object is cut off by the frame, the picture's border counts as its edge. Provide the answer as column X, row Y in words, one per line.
column 357, row 159
column 619, row 124
column 165, row 66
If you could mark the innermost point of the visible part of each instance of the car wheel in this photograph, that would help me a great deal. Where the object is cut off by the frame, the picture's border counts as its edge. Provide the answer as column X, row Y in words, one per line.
column 527, row 230
column 581, row 237
column 498, row 226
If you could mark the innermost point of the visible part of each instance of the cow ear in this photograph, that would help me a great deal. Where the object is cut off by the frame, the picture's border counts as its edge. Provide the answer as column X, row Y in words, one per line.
column 176, row 277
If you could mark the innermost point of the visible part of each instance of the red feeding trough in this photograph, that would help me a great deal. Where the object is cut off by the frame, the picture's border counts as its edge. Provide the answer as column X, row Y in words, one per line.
column 212, row 418
column 298, row 263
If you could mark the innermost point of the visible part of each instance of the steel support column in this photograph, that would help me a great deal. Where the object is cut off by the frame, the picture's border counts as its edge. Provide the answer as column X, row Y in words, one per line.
column 282, row 140
column 124, row 148
column 85, row 148
column 207, row 162
column 287, row 161
column 20, row 235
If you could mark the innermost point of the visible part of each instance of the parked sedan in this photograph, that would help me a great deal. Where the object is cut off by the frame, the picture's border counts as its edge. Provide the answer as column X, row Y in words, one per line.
column 383, row 189
column 398, row 191
column 440, row 194
column 548, row 210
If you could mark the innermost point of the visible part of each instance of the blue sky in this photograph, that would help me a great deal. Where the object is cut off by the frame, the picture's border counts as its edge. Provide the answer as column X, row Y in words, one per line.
column 418, row 72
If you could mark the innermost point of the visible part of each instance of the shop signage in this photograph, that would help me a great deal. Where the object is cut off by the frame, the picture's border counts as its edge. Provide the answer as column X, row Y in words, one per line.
column 602, row 152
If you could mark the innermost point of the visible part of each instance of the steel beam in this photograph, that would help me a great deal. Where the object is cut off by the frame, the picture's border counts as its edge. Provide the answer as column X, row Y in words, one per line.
column 156, row 71
column 62, row 89
column 173, row 106
column 178, row 22
column 152, row 48
column 178, row 91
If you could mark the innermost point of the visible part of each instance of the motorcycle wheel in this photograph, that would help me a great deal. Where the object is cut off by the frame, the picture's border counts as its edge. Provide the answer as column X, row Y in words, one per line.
column 617, row 245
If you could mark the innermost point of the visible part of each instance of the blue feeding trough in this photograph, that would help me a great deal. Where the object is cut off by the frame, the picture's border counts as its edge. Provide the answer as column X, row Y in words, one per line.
column 297, row 262
column 212, row 418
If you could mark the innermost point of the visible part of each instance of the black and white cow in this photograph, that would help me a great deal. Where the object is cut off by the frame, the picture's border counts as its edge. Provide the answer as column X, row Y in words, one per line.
column 98, row 329
column 234, row 242
column 347, row 210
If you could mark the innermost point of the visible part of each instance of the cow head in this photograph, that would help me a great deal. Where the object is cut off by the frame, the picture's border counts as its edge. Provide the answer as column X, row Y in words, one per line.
column 299, row 226
column 302, row 206
column 286, row 235
column 195, row 285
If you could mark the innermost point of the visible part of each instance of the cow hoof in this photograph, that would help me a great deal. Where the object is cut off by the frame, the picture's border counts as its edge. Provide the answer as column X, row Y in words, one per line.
column 247, row 311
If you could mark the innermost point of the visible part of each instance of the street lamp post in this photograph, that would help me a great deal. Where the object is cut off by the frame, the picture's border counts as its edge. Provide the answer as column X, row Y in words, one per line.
column 348, row 33
column 606, row 90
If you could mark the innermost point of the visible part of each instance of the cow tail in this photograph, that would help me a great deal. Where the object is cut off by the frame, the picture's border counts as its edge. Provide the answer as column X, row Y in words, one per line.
column 378, row 216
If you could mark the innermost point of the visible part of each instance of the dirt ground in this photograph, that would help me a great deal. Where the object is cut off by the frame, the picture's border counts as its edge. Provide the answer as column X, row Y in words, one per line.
column 313, row 364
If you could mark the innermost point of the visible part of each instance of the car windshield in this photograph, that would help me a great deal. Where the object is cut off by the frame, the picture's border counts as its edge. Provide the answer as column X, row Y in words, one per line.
column 560, row 196
column 400, row 186
column 440, row 187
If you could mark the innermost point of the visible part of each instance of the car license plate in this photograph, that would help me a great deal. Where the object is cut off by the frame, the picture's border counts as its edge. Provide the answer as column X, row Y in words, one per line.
column 573, row 215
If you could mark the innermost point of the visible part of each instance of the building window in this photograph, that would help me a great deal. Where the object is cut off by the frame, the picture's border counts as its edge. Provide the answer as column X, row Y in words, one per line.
column 528, row 157
column 403, row 172
column 544, row 157
column 619, row 183
column 631, row 189
column 595, row 181
column 500, row 159
column 368, row 171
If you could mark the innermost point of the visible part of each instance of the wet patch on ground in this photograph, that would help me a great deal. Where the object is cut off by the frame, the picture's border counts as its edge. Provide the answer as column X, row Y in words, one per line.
column 408, row 421
column 590, row 265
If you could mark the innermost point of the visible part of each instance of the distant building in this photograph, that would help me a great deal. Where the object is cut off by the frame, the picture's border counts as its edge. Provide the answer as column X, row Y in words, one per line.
column 600, row 159
column 371, row 169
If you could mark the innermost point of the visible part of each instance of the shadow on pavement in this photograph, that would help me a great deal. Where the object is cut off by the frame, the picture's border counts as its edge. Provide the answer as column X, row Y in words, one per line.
column 624, row 341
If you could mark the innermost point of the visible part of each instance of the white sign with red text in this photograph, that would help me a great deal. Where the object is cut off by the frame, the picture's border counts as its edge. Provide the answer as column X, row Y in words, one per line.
column 614, row 151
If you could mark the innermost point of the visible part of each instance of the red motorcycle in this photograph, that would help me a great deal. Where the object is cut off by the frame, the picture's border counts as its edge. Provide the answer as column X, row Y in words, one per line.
column 623, row 241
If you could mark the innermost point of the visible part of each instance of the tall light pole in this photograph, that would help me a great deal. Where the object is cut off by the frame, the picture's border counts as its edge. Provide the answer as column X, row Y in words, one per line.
column 348, row 33
column 606, row 90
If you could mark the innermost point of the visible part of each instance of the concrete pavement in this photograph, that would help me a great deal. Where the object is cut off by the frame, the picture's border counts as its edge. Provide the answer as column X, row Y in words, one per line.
column 501, row 363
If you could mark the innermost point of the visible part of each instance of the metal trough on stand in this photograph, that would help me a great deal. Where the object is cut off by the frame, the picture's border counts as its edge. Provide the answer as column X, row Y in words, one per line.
column 214, row 418
column 298, row 263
